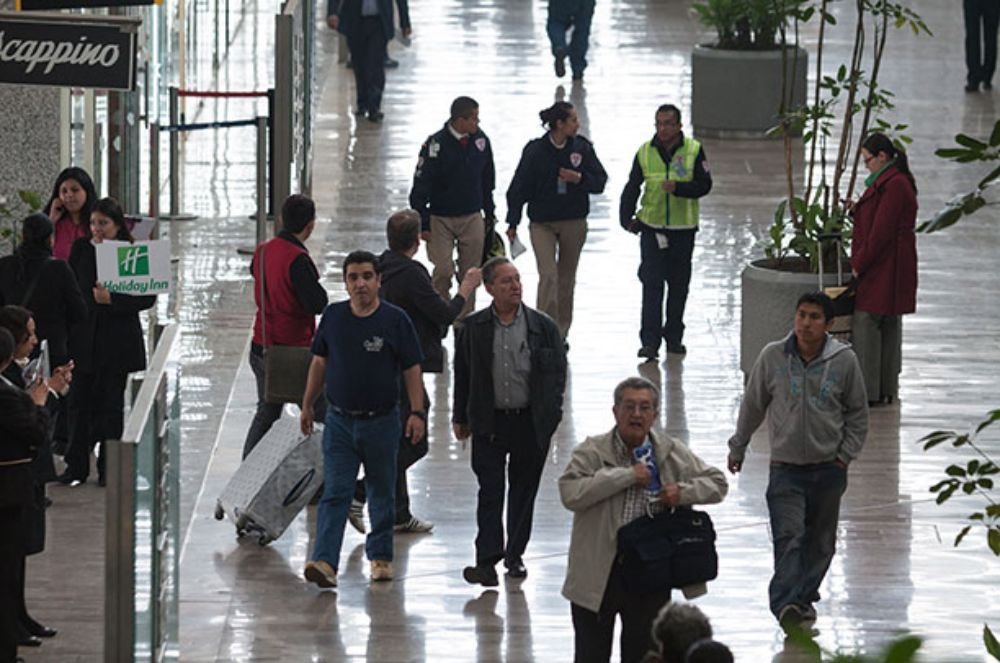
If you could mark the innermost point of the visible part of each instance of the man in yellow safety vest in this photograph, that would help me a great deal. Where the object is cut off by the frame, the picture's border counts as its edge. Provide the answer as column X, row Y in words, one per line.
column 671, row 173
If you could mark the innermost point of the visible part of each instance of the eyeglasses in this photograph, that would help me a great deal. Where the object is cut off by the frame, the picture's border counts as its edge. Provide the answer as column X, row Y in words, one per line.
column 868, row 158
column 641, row 408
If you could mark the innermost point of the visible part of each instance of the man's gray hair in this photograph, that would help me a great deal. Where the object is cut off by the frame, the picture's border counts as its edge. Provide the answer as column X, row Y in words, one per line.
column 490, row 268
column 676, row 628
column 636, row 382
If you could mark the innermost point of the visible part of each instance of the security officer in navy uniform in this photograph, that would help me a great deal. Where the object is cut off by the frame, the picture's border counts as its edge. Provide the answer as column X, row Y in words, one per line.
column 368, row 26
column 453, row 192
column 672, row 174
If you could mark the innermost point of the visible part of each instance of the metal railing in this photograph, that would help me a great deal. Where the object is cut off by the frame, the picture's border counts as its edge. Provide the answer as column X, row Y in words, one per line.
column 143, row 517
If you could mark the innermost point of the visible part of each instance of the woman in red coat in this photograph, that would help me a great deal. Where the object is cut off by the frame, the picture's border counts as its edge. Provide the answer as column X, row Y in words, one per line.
column 884, row 262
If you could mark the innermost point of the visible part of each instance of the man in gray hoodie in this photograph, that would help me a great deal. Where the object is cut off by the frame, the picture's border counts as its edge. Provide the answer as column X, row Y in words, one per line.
column 811, row 389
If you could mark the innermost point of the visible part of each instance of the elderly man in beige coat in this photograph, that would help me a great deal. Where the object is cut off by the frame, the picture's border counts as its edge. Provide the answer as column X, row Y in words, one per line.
column 605, row 489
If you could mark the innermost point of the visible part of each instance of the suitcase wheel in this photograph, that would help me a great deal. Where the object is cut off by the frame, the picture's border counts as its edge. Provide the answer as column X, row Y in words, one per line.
column 220, row 513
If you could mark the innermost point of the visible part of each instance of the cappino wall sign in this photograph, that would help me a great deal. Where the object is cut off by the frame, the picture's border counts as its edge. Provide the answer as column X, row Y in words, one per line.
column 81, row 53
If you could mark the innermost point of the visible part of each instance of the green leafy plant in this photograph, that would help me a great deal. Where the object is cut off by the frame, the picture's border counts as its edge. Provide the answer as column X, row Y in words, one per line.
column 12, row 212
column 969, row 150
column 845, row 107
column 902, row 649
column 748, row 25
column 974, row 476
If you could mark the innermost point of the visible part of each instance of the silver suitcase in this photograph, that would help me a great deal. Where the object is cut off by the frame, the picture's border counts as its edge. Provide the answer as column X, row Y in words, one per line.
column 275, row 482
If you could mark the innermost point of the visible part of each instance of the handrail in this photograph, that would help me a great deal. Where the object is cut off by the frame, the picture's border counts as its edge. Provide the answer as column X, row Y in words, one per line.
column 142, row 518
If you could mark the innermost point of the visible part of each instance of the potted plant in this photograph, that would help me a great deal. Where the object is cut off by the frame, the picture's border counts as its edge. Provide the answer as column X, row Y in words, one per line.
column 11, row 214
column 752, row 73
column 844, row 106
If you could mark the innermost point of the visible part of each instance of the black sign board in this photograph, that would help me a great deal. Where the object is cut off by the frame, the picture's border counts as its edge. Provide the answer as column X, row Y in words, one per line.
column 30, row 5
column 65, row 54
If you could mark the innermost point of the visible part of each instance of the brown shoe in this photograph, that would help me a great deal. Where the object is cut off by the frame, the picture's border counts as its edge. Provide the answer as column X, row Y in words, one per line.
column 381, row 570
column 321, row 573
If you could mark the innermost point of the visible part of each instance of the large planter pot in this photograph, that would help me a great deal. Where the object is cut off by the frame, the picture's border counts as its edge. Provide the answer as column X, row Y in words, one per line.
column 738, row 93
column 768, row 305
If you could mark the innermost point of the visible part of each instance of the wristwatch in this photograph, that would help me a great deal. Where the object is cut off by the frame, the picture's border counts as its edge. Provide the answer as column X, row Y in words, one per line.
column 419, row 413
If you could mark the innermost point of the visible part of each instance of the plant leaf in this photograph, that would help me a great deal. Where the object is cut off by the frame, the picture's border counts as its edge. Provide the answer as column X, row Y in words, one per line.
column 955, row 471
column 970, row 142
column 961, row 535
column 986, row 483
column 903, row 650
column 995, row 136
column 990, row 640
column 993, row 539
column 989, row 179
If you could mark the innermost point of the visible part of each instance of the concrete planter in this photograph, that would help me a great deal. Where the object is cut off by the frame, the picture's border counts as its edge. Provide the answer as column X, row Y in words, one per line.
column 768, row 306
column 738, row 93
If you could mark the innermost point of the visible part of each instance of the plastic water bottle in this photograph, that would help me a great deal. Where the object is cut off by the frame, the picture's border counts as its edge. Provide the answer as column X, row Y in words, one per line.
column 645, row 454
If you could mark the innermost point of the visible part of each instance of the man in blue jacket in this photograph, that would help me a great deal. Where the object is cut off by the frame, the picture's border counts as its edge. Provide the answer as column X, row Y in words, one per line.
column 368, row 26
column 453, row 192
column 810, row 387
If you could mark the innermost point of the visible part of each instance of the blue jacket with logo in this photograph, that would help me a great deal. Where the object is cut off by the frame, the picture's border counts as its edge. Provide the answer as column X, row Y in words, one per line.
column 452, row 179
column 536, row 181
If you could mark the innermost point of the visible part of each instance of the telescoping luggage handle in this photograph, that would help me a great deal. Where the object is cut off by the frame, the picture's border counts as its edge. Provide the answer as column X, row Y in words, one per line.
column 839, row 239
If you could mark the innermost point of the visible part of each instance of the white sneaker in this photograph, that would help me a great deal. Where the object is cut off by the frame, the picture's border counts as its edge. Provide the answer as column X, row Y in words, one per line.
column 414, row 526
column 356, row 516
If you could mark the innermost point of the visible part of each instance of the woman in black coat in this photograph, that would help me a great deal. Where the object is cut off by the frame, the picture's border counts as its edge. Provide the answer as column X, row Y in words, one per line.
column 46, row 286
column 32, row 278
column 106, row 346
column 17, row 325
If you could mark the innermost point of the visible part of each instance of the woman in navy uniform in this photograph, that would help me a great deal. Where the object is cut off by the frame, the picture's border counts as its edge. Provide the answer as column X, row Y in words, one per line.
column 555, row 177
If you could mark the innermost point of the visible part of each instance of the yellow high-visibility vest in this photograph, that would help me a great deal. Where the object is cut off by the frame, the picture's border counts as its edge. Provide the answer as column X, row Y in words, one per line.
column 681, row 213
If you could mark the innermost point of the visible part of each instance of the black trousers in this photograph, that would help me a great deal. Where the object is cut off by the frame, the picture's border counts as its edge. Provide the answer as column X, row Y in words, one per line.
column 593, row 631
column 408, row 454
column 96, row 408
column 981, row 20
column 367, row 46
column 515, row 438
column 670, row 265
column 11, row 561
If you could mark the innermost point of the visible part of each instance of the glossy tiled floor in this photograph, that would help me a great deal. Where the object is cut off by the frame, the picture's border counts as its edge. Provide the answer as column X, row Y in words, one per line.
column 895, row 570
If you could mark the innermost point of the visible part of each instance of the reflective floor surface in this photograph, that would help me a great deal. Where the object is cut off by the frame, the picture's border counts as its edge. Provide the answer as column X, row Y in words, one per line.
column 896, row 569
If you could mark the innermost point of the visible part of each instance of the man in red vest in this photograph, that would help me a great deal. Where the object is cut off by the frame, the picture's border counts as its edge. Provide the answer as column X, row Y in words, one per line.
column 292, row 298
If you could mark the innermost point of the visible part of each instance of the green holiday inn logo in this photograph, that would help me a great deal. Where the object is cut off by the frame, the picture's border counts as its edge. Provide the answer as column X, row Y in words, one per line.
column 133, row 261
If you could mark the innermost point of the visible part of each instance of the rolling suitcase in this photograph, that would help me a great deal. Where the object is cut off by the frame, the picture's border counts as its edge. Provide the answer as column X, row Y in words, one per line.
column 274, row 483
column 842, row 293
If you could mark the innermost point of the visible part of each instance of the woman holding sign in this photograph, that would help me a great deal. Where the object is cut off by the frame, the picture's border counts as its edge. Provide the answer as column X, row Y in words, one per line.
column 106, row 346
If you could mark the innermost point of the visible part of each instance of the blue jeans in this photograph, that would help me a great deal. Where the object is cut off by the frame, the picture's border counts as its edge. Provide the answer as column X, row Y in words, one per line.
column 804, row 504
column 566, row 14
column 347, row 444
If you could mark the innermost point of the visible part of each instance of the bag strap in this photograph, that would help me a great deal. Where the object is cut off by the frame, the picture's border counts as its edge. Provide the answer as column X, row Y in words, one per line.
column 34, row 284
column 263, row 301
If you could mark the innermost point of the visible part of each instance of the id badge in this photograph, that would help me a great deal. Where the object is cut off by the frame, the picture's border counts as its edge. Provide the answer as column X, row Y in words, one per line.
column 662, row 241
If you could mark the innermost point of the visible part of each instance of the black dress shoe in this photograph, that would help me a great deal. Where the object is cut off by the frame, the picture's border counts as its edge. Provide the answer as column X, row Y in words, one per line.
column 68, row 479
column 375, row 116
column 481, row 575
column 390, row 63
column 676, row 348
column 648, row 353
column 32, row 627
column 29, row 641
column 517, row 571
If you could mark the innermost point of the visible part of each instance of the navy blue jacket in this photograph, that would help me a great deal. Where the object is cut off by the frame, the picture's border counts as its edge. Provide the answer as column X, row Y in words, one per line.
column 536, row 181
column 452, row 180
column 349, row 12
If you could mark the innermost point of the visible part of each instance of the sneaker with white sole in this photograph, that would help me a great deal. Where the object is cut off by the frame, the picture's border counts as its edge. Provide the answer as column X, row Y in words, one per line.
column 356, row 516
column 413, row 526
column 381, row 570
column 321, row 573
